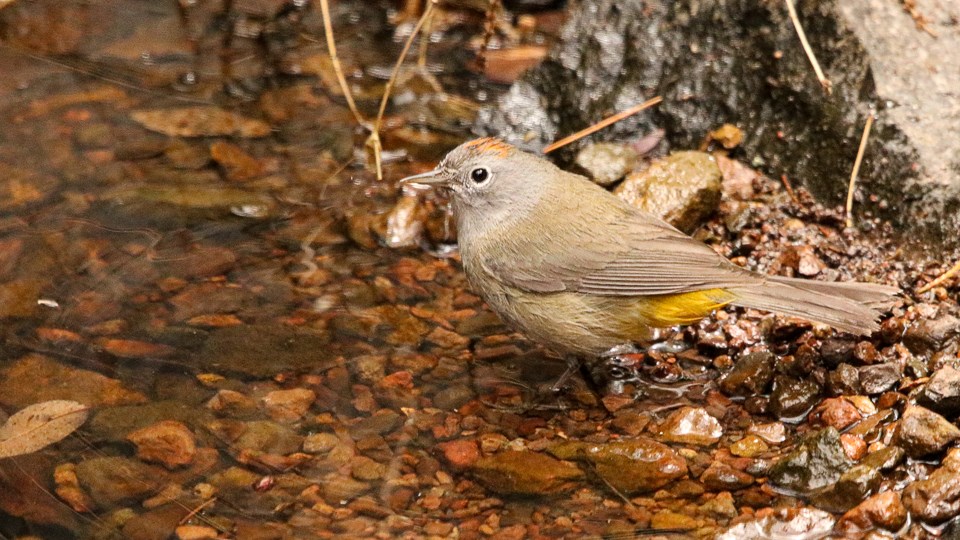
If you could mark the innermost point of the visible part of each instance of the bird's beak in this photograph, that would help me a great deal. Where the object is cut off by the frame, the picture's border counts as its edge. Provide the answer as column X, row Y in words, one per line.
column 436, row 177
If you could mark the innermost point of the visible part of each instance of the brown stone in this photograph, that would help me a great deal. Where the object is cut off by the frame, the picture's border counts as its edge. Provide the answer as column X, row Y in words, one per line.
column 35, row 378
column 169, row 443
column 460, row 453
column 884, row 510
column 836, row 412
column 289, row 405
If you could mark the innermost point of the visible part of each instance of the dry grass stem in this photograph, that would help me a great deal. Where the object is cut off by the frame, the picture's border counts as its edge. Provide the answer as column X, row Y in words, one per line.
column 197, row 510
column 789, row 188
column 374, row 140
column 332, row 48
column 856, row 169
column 824, row 81
column 941, row 279
column 424, row 43
column 602, row 124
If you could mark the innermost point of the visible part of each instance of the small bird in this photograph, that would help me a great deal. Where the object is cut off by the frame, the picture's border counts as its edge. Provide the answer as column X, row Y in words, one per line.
column 582, row 272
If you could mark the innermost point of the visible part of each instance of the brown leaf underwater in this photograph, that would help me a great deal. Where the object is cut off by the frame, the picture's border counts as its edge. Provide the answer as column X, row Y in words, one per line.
column 37, row 426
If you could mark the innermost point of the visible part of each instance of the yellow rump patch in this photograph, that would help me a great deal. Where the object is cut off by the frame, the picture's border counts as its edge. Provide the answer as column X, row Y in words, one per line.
column 490, row 145
column 683, row 308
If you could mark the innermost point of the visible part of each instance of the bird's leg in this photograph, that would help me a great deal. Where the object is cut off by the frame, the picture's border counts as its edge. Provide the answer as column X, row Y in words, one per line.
column 574, row 365
column 617, row 366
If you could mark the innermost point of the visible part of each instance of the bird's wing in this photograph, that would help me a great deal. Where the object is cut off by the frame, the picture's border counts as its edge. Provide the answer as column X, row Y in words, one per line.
column 637, row 255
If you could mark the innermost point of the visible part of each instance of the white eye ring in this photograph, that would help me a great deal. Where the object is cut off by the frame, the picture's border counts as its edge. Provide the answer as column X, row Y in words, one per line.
column 480, row 175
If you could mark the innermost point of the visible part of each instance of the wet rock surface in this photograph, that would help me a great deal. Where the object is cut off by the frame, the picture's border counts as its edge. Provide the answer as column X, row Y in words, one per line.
column 682, row 189
column 818, row 461
column 636, row 466
column 937, row 498
column 526, row 473
column 741, row 63
column 921, row 432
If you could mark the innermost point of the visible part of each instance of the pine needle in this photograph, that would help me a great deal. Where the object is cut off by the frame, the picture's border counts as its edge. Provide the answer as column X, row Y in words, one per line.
column 824, row 81
column 856, row 168
column 940, row 279
column 602, row 124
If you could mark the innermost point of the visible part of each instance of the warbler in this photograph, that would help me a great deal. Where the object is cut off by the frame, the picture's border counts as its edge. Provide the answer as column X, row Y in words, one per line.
column 579, row 270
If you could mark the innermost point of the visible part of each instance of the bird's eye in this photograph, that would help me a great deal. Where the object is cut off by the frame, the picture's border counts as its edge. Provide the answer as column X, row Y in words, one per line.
column 479, row 175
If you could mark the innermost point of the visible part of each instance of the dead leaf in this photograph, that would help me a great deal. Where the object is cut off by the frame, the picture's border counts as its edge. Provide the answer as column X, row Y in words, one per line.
column 40, row 425
column 201, row 121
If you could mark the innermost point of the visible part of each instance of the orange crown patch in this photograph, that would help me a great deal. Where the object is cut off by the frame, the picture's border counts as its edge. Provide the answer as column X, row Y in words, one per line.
column 490, row 145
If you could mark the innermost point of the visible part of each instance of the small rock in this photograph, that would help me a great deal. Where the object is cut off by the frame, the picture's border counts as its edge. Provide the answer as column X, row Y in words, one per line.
column 799, row 523
column 452, row 397
column 720, row 506
column 156, row 524
column 111, row 481
column 683, row 189
column 885, row 458
column 237, row 164
column 853, row 446
column 722, row 477
column 865, row 353
column 773, row 433
column 234, row 404
column 267, row 437
column 883, row 510
column 196, row 532
column 460, row 454
column 607, row 163
column 931, row 335
column 936, row 498
column 750, row 375
column 845, row 380
column 836, row 351
column 366, row 469
column 666, row 519
column 380, row 423
column 68, row 488
column 941, row 394
column 289, row 405
column 818, row 461
column 879, row 378
column 921, row 432
column 404, row 223
column 791, row 398
column 690, row 425
column 446, row 339
column 338, row 488
column 169, row 443
column 853, row 486
column 369, row 368
column 836, row 412
column 320, row 443
column 749, row 446
column 637, row 465
column 526, row 473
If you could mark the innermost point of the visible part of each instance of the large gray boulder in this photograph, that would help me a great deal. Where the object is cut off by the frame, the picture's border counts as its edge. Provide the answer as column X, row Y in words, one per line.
column 739, row 61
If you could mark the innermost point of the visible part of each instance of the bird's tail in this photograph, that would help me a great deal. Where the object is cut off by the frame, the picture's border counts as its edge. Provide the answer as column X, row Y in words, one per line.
column 852, row 307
